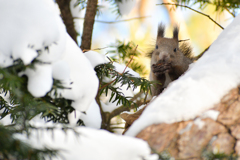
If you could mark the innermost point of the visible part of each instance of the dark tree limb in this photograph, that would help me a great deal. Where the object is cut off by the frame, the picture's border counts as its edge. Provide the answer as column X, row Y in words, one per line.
column 175, row 4
column 88, row 24
column 64, row 6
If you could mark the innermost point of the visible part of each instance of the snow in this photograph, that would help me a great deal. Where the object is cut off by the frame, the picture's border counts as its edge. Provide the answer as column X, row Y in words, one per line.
column 76, row 12
column 187, row 128
column 199, row 123
column 83, row 90
column 209, row 79
column 39, row 80
column 213, row 114
column 95, row 58
column 110, row 106
column 63, row 59
column 15, row 44
column 60, row 70
column 92, row 118
column 83, row 143
column 43, row 27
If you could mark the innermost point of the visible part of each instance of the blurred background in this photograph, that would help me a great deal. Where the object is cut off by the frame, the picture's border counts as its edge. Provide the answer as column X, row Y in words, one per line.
column 138, row 21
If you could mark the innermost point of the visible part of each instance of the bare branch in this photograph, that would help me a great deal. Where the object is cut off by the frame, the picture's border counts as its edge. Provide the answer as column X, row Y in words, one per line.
column 64, row 6
column 130, row 60
column 194, row 11
column 201, row 54
column 183, row 40
column 229, row 11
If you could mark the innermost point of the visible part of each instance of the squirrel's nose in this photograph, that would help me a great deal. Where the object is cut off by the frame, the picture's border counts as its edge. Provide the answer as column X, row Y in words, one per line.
column 165, row 58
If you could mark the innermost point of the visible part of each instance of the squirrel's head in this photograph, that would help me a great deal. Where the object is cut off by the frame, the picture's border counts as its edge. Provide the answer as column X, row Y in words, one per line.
column 166, row 49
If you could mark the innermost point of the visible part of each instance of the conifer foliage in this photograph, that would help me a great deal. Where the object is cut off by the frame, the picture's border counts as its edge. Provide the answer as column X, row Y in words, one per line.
column 21, row 106
column 123, row 54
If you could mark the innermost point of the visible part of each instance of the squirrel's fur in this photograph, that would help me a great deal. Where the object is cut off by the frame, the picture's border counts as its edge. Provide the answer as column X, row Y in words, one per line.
column 168, row 60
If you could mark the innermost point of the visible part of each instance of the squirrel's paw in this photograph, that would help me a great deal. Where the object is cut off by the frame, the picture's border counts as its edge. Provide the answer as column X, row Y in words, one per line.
column 161, row 68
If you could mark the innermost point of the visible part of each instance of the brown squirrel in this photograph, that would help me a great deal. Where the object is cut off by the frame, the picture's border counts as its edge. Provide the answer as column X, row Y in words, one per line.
column 168, row 60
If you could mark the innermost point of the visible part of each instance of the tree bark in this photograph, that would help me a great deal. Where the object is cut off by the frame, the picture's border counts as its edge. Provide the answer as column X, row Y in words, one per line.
column 64, row 6
column 88, row 24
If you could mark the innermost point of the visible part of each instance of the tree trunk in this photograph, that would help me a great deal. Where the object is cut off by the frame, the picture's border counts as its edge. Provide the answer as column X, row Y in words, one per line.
column 88, row 24
column 66, row 15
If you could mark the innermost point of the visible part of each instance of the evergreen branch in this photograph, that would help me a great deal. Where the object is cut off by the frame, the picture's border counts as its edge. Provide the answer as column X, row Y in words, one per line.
column 123, row 108
column 194, row 11
column 17, row 149
column 124, row 52
column 23, row 106
column 112, row 22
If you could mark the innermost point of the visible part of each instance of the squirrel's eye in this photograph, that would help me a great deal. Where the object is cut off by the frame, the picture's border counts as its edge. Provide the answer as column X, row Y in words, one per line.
column 175, row 50
column 156, row 46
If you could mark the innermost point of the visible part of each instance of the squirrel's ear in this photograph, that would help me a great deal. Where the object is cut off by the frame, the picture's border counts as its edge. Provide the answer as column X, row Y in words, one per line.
column 175, row 32
column 161, row 29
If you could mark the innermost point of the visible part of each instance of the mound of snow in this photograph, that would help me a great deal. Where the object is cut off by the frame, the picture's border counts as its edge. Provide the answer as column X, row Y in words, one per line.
column 83, row 143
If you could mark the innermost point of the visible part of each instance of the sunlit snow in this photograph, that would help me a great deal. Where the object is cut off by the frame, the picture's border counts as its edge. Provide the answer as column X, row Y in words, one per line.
column 91, row 118
column 91, row 144
column 83, row 82
column 21, row 40
column 42, row 35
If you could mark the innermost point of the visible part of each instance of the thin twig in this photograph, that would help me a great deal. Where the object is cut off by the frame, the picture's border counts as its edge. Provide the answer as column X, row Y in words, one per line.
column 110, row 82
column 229, row 11
column 115, row 124
column 145, row 99
column 183, row 40
column 111, row 22
column 201, row 54
column 123, row 108
column 85, row 50
column 130, row 60
column 117, row 127
column 107, row 84
column 100, row 48
column 194, row 11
